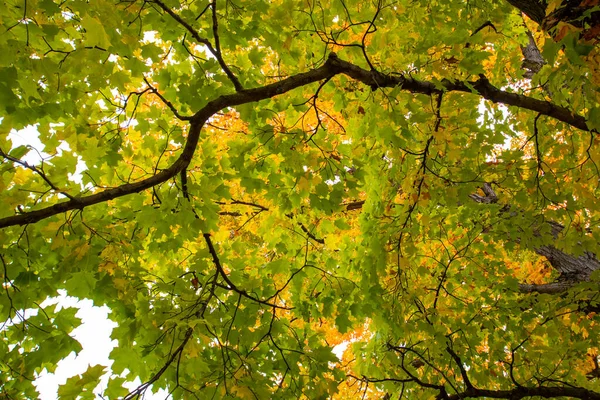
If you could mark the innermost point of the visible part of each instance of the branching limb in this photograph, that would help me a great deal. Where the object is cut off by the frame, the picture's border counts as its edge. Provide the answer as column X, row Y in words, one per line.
column 39, row 171
column 461, row 367
column 231, row 285
column 263, row 208
column 196, row 124
column 517, row 392
column 522, row 392
column 572, row 269
column 482, row 87
column 175, row 355
column 167, row 102
column 489, row 197
column 332, row 67
column 139, row 391
column 215, row 51
column 310, row 234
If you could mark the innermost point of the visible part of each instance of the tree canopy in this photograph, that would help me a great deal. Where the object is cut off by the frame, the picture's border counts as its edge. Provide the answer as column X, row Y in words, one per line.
column 249, row 184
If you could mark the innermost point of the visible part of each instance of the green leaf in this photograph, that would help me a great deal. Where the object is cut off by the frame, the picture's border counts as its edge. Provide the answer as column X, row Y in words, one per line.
column 82, row 385
column 95, row 33
column 593, row 119
column 19, row 152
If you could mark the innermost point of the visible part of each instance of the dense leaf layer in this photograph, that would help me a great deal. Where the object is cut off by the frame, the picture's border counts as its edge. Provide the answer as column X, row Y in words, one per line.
column 248, row 185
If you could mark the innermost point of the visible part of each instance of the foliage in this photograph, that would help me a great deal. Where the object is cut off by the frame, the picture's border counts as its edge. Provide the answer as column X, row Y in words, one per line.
column 247, row 184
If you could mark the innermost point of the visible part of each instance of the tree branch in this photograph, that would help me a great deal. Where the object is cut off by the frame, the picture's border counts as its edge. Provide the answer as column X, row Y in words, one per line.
column 489, row 198
column 461, row 367
column 332, row 67
column 167, row 102
column 516, row 393
column 196, row 124
column 534, row 9
column 215, row 51
column 525, row 392
column 39, row 171
column 139, row 391
column 481, row 87
column 548, row 288
column 572, row 269
column 230, row 284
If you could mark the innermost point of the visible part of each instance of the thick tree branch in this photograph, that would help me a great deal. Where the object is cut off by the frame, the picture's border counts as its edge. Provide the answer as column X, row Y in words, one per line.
column 518, row 392
column 481, row 87
column 472, row 392
column 581, row 14
column 534, row 9
column 333, row 66
column 461, row 367
column 489, row 198
column 522, row 392
column 356, row 205
column 548, row 288
column 533, row 60
column 196, row 124
column 572, row 269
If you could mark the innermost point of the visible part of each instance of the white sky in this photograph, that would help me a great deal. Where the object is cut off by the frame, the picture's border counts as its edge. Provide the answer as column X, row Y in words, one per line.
column 94, row 336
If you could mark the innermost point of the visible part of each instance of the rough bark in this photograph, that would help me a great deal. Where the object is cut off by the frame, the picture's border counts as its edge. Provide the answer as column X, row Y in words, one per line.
column 532, row 58
column 534, row 9
column 575, row 12
column 523, row 392
column 572, row 269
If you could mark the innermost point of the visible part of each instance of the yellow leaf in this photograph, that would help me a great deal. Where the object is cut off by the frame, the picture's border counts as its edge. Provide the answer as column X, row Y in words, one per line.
column 22, row 175
column 552, row 5
column 193, row 349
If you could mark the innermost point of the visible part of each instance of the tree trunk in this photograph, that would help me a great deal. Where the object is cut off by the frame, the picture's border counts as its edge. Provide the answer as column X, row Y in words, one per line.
column 573, row 12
